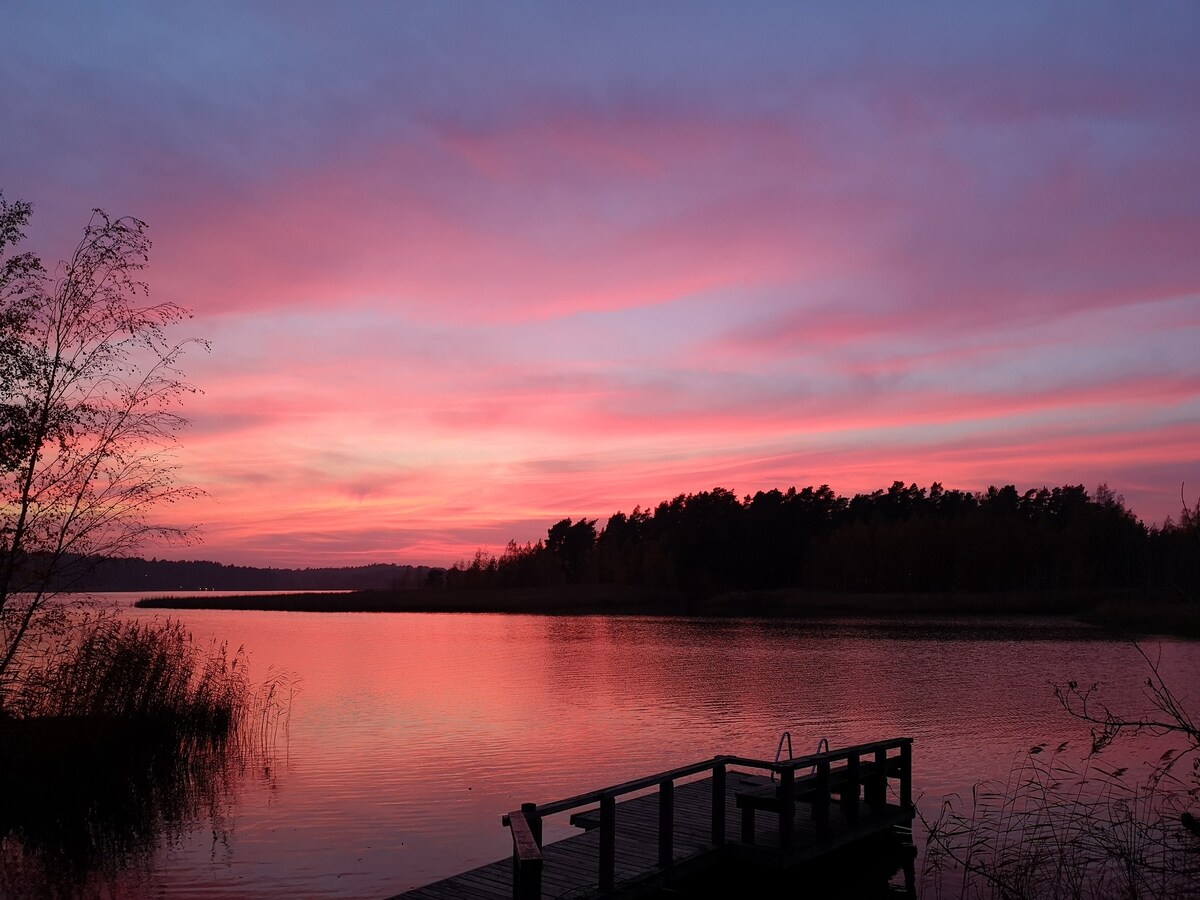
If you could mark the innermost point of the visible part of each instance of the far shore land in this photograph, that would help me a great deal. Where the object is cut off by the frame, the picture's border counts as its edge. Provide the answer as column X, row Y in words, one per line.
column 1131, row 613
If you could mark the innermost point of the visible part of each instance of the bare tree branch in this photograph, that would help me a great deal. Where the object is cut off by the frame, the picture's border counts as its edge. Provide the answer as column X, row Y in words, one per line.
column 91, row 392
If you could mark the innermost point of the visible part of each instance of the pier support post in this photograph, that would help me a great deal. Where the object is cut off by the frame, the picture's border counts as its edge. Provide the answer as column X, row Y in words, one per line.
column 906, row 776
column 877, row 787
column 608, row 842
column 851, row 789
column 820, row 807
column 787, row 807
column 718, row 805
column 526, row 828
column 666, row 823
column 529, row 810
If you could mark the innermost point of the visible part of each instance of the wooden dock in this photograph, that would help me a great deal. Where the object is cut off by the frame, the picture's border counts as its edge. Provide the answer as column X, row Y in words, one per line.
column 725, row 811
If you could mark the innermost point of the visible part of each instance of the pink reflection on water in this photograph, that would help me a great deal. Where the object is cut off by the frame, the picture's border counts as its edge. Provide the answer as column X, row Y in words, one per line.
column 412, row 734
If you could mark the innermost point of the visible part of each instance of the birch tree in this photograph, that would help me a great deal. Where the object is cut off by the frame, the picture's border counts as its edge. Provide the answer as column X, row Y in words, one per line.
column 90, row 409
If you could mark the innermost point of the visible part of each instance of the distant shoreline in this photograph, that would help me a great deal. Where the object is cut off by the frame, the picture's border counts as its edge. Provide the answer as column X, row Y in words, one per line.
column 1129, row 613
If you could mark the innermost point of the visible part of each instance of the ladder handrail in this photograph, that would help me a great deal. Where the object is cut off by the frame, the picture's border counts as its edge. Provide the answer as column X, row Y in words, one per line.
column 823, row 742
column 822, row 747
column 787, row 735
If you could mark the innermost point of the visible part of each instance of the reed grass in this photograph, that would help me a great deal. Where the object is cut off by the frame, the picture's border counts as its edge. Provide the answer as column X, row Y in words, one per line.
column 116, row 737
column 1058, row 828
column 139, row 674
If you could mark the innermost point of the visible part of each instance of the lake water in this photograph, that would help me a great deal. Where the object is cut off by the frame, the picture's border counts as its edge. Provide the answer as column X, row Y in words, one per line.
column 413, row 733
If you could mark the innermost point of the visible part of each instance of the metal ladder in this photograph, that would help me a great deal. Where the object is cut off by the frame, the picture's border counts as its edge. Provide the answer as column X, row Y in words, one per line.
column 786, row 737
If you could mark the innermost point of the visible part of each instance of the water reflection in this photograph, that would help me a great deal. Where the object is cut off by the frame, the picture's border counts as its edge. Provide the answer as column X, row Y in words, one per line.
column 88, row 805
column 415, row 732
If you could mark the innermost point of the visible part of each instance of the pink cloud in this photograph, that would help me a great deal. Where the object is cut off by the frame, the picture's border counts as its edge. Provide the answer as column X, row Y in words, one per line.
column 413, row 225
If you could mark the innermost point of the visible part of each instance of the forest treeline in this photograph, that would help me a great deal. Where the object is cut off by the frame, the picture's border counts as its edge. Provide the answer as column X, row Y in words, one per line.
column 904, row 538
column 148, row 575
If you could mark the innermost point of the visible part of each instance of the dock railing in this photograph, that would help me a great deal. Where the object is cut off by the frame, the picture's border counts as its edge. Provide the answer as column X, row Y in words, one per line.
column 854, row 773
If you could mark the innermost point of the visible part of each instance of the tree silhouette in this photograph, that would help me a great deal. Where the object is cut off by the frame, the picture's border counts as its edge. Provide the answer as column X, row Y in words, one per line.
column 573, row 546
column 904, row 538
column 90, row 407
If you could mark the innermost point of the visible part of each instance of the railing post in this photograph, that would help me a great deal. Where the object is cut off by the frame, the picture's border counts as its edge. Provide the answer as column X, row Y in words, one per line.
column 877, row 786
column 666, row 823
column 821, row 798
column 526, row 827
column 529, row 810
column 787, row 806
column 608, row 842
column 906, row 775
column 718, row 804
column 851, row 789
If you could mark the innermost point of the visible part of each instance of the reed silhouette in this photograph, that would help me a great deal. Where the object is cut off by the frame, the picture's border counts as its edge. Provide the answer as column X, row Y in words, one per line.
column 1072, row 826
column 117, row 743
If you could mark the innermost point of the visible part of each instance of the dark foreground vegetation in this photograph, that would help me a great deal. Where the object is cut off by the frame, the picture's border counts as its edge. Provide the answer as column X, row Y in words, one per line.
column 1079, row 825
column 120, row 737
column 112, row 733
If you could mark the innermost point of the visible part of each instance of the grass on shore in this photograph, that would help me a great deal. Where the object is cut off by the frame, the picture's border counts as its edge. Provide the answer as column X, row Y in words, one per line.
column 139, row 675
column 1062, row 828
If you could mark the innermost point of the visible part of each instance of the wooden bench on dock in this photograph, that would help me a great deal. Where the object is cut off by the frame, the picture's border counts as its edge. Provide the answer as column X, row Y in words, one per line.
column 653, row 831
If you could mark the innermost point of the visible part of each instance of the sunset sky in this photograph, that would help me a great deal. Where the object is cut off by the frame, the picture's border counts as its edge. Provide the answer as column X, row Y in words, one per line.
column 469, row 268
